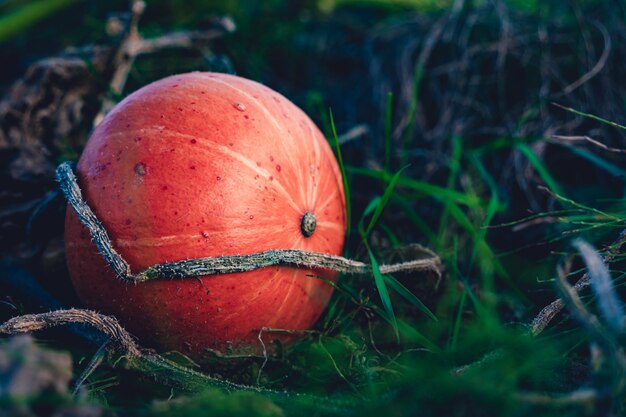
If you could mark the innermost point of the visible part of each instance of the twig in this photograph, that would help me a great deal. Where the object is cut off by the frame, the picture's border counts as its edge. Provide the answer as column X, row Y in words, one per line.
column 598, row 66
column 183, row 39
column 222, row 264
column 580, row 397
column 545, row 316
column 124, row 57
column 577, row 308
column 131, row 45
column 559, row 139
column 162, row 370
column 106, row 324
column 611, row 308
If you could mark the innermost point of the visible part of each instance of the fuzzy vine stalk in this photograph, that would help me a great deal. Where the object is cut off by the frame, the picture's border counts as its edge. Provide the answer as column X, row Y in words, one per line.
column 221, row 264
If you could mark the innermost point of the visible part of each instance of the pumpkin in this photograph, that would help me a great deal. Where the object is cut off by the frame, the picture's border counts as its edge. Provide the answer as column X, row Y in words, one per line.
column 207, row 165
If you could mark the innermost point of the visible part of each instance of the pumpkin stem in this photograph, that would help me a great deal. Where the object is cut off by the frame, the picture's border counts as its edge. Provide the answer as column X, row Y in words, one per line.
column 308, row 224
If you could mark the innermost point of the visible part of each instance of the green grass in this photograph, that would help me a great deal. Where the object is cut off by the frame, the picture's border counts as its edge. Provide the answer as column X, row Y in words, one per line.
column 21, row 18
column 344, row 176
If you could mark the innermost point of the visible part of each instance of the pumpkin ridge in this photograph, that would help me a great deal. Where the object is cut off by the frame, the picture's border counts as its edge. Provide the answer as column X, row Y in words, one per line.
column 329, row 224
column 245, row 160
column 260, row 105
column 336, row 173
column 286, row 297
column 184, row 238
column 280, row 129
column 325, row 203
column 314, row 191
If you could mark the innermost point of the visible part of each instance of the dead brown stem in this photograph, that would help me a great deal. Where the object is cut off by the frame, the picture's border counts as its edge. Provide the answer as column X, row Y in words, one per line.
column 108, row 325
column 545, row 316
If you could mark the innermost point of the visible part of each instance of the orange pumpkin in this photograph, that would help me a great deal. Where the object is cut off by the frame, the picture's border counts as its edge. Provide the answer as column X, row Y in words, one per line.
column 206, row 165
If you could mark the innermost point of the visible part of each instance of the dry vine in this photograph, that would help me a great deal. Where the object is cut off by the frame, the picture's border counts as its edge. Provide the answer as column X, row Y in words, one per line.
column 152, row 364
column 545, row 316
column 222, row 264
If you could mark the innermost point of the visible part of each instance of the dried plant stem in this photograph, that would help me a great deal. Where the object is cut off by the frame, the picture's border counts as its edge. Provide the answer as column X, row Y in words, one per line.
column 222, row 264
column 545, row 316
column 131, row 45
column 156, row 366
column 581, row 397
column 107, row 325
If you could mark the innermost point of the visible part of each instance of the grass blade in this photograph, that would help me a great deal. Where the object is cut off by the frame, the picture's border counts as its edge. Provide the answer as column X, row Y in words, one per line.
column 344, row 177
column 409, row 296
column 455, row 166
column 429, row 190
column 590, row 116
column 540, row 168
column 388, row 130
column 382, row 203
column 28, row 15
column 384, row 294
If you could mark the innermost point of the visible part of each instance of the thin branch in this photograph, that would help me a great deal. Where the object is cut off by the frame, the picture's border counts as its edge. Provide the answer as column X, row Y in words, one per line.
column 569, row 139
column 547, row 314
column 159, row 368
column 106, row 324
column 598, row 66
column 222, row 264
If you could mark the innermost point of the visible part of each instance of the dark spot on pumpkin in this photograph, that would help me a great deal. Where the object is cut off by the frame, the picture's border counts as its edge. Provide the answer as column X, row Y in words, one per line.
column 251, row 217
column 175, row 213
column 180, row 109
column 271, row 158
column 193, row 141
column 278, row 168
column 193, row 167
column 204, row 234
column 164, row 188
column 271, row 178
column 245, row 116
column 258, row 164
column 218, row 178
column 231, row 144
column 141, row 169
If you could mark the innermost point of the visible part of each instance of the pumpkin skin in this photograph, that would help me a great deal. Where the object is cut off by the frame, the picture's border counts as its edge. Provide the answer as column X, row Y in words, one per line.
column 198, row 165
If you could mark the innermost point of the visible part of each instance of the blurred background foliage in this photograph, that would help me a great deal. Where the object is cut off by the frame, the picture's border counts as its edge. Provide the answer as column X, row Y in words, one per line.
column 458, row 94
